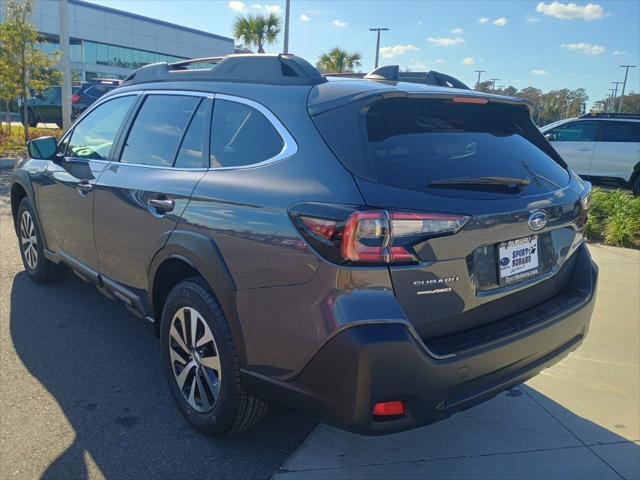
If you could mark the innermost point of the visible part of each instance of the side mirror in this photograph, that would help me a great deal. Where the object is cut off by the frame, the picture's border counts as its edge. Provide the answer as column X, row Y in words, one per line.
column 43, row 148
column 550, row 136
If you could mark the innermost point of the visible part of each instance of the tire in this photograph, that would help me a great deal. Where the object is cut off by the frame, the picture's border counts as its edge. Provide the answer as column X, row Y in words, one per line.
column 635, row 186
column 39, row 268
column 215, row 402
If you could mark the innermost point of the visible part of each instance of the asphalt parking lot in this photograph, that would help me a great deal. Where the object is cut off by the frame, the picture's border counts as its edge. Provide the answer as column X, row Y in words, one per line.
column 82, row 395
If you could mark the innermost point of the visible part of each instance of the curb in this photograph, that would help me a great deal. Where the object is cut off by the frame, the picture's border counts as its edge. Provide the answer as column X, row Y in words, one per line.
column 7, row 163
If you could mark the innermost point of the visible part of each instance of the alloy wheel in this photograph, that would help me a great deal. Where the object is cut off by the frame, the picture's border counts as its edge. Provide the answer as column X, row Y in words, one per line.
column 29, row 240
column 194, row 359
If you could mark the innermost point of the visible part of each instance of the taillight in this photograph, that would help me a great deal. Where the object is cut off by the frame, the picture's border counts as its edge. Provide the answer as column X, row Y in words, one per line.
column 374, row 236
column 75, row 98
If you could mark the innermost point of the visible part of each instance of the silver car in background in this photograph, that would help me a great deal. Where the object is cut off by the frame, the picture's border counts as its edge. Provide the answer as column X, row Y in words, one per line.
column 603, row 148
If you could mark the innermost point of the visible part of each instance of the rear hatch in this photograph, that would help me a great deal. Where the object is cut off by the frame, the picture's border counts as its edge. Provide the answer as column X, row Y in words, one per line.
column 473, row 157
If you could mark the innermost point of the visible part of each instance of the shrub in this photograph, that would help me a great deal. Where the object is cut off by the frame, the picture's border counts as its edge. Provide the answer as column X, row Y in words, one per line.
column 614, row 219
column 12, row 143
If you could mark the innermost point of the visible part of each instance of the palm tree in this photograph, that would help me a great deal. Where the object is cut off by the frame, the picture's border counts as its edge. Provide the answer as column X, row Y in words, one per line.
column 338, row 61
column 257, row 30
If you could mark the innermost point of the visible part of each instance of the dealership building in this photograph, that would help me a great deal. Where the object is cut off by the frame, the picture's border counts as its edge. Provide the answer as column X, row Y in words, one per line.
column 110, row 43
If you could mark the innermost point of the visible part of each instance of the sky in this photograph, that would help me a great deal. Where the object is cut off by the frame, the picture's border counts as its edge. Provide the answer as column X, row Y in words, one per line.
column 548, row 45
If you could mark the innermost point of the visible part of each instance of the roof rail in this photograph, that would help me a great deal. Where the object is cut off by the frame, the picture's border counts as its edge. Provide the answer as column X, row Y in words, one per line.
column 611, row 115
column 392, row 73
column 244, row 68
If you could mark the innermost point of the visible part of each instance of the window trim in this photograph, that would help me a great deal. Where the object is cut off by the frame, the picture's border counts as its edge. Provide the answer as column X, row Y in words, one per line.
column 289, row 147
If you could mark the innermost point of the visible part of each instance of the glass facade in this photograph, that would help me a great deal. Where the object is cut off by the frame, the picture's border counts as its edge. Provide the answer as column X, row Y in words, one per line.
column 114, row 56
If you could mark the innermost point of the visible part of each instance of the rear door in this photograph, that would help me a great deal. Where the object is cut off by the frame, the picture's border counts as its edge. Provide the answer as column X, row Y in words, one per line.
column 618, row 151
column 141, row 196
column 575, row 142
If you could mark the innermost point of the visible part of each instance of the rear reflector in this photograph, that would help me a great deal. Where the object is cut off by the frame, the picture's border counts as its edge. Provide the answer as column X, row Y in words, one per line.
column 388, row 409
column 479, row 101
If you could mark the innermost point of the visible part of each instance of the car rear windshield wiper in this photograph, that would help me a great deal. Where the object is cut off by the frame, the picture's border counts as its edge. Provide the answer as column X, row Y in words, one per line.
column 476, row 182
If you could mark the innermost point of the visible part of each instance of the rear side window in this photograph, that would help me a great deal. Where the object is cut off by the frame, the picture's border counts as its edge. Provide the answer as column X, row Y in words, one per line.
column 621, row 132
column 413, row 142
column 576, row 132
column 93, row 137
column 241, row 135
column 157, row 130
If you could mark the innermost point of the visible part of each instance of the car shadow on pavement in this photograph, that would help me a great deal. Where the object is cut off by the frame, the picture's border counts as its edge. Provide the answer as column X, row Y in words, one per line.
column 102, row 366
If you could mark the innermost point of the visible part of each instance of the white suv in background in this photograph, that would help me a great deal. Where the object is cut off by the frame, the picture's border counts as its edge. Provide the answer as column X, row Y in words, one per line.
column 603, row 147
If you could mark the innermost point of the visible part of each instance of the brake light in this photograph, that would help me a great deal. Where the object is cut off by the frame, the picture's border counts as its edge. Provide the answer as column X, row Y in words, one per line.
column 376, row 236
column 478, row 101
column 75, row 98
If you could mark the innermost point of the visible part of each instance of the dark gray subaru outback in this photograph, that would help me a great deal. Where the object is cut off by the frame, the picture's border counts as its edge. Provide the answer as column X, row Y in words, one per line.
column 375, row 254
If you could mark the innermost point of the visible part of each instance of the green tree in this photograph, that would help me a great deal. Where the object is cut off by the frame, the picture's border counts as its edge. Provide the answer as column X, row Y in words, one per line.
column 19, row 46
column 486, row 86
column 257, row 30
column 339, row 61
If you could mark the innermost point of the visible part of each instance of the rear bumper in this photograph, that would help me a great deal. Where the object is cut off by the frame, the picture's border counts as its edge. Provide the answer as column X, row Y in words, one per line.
column 369, row 363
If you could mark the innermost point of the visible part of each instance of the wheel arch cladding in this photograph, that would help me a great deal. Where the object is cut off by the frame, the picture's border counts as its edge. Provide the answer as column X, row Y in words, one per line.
column 189, row 254
column 18, row 192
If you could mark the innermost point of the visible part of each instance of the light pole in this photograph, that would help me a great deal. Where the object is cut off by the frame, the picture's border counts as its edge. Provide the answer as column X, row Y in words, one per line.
column 611, row 100
column 286, row 26
column 63, row 13
column 624, row 84
column 493, row 87
column 615, row 94
column 479, row 72
column 378, row 29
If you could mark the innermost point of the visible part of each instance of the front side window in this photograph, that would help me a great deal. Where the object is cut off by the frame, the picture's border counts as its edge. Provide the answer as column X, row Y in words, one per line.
column 93, row 137
column 576, row 132
column 157, row 130
column 621, row 132
column 241, row 135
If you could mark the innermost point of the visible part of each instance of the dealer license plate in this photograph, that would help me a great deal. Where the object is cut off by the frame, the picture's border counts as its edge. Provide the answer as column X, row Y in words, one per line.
column 518, row 259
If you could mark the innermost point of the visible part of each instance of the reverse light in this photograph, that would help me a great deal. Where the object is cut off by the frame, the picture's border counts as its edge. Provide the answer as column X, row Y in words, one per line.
column 585, row 198
column 388, row 409
column 376, row 236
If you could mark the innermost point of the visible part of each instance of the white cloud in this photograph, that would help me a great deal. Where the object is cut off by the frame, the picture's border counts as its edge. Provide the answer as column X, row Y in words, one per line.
column 417, row 65
column 267, row 8
column 439, row 61
column 540, row 72
column 237, row 6
column 532, row 19
column 445, row 42
column 340, row 23
column 457, row 31
column 468, row 61
column 570, row 11
column 585, row 48
column 483, row 20
column 390, row 52
column 304, row 18
column 619, row 52
column 500, row 22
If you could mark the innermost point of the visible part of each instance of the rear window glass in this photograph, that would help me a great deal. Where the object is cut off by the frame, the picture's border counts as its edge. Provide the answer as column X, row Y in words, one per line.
column 621, row 132
column 414, row 142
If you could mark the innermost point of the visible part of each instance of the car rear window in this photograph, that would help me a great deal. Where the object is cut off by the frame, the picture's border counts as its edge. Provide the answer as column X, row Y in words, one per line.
column 411, row 142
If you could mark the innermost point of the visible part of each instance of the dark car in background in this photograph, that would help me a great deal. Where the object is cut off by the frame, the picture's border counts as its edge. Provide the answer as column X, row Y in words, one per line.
column 373, row 253
column 47, row 107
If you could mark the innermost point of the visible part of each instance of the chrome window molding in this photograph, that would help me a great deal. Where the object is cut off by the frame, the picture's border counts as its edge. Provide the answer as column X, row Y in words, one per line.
column 289, row 148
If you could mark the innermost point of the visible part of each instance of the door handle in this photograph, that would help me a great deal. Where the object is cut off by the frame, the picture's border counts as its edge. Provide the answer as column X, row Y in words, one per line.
column 162, row 205
column 84, row 186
